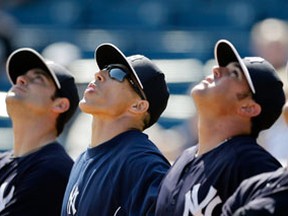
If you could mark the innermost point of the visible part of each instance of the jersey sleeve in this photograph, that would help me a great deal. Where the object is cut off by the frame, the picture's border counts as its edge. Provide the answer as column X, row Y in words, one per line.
column 264, row 194
column 258, row 207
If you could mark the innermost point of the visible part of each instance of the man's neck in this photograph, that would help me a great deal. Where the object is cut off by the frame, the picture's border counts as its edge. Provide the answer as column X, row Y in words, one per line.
column 214, row 133
column 30, row 137
column 104, row 130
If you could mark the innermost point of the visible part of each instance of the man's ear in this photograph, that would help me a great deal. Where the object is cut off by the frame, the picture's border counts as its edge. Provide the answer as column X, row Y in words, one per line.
column 139, row 106
column 61, row 105
column 250, row 109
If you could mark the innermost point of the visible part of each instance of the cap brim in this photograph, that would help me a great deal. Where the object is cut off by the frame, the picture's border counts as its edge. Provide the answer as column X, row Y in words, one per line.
column 226, row 53
column 107, row 54
column 24, row 59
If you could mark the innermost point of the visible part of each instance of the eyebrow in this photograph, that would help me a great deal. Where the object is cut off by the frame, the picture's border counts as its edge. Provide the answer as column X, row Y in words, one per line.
column 40, row 71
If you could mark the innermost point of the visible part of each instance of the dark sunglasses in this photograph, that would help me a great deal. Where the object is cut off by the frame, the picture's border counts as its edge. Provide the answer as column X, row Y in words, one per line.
column 118, row 73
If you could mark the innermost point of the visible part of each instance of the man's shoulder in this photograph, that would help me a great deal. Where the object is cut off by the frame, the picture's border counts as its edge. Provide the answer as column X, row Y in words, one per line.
column 52, row 158
column 5, row 158
column 247, row 145
column 53, row 150
column 6, row 154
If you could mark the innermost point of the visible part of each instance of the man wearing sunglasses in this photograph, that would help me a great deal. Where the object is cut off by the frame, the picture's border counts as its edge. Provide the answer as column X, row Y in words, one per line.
column 120, row 172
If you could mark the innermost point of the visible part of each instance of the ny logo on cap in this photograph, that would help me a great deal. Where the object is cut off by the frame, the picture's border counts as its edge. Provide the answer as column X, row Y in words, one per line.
column 135, row 57
column 254, row 59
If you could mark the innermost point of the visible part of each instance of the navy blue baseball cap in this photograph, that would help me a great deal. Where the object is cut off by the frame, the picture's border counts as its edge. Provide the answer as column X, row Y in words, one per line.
column 265, row 85
column 24, row 59
column 144, row 73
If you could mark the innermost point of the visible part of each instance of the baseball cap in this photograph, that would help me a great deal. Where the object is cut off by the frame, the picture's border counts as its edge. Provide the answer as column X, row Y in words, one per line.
column 24, row 59
column 266, row 86
column 145, row 74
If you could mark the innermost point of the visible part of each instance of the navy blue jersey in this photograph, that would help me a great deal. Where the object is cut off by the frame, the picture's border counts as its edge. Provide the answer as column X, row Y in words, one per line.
column 200, row 185
column 119, row 177
column 264, row 194
column 34, row 184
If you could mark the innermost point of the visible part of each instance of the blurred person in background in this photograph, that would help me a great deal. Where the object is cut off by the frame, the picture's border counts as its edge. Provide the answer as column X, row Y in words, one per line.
column 120, row 172
column 177, row 130
column 42, row 99
column 269, row 39
column 234, row 103
column 8, row 28
column 174, row 140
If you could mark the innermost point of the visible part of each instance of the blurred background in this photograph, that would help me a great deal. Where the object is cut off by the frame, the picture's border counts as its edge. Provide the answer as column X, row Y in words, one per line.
column 179, row 35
